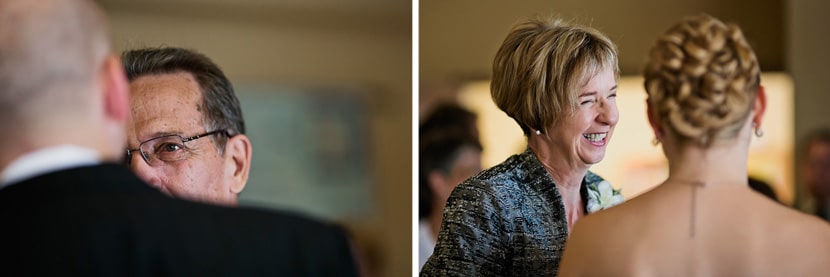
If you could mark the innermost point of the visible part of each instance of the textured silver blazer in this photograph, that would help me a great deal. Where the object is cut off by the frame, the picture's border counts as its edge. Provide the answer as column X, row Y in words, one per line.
column 508, row 220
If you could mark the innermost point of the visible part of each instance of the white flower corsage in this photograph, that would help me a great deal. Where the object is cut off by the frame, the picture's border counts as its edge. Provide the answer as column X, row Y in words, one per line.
column 602, row 196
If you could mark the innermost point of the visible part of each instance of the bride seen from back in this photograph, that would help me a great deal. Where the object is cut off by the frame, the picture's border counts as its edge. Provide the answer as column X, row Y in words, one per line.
column 705, row 102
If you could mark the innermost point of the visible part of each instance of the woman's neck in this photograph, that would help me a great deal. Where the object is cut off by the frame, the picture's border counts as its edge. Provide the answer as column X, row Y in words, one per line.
column 567, row 175
column 717, row 165
column 565, row 172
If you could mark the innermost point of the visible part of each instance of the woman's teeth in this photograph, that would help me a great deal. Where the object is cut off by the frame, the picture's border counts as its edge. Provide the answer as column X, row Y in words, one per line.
column 595, row 137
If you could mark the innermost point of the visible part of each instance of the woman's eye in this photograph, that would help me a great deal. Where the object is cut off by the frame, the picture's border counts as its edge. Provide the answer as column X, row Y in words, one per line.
column 587, row 101
column 613, row 95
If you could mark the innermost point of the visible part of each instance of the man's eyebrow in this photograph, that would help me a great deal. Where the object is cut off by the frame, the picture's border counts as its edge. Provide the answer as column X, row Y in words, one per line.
column 162, row 134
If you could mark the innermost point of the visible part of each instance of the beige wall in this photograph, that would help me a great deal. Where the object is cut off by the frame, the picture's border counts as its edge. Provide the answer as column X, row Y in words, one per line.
column 459, row 38
column 307, row 47
column 808, row 60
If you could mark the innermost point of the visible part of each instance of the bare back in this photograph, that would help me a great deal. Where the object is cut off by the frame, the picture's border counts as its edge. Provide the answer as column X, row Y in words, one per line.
column 733, row 231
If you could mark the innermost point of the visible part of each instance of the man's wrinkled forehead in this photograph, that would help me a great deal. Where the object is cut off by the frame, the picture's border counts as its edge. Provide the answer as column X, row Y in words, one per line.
column 165, row 104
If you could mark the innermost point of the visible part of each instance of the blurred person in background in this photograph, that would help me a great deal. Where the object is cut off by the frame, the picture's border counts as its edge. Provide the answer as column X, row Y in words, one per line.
column 558, row 81
column 447, row 120
column 449, row 154
column 69, row 208
column 815, row 170
column 704, row 103
column 444, row 164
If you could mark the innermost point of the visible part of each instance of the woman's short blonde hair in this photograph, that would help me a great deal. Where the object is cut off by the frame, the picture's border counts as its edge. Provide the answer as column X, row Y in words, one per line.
column 701, row 79
column 541, row 66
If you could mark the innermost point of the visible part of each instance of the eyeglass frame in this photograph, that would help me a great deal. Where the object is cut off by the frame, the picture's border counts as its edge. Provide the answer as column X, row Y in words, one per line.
column 145, row 156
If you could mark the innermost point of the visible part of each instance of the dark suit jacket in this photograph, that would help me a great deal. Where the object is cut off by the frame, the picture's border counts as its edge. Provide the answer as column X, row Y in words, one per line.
column 103, row 221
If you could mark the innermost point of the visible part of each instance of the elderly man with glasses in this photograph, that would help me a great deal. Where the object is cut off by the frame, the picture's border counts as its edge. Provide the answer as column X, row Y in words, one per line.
column 186, row 136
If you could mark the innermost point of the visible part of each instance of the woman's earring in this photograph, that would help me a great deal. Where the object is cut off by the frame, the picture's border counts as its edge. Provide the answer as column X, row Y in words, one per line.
column 656, row 140
column 538, row 132
column 758, row 132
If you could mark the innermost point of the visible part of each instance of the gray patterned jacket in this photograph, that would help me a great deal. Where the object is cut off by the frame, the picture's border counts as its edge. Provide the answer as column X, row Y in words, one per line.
column 508, row 220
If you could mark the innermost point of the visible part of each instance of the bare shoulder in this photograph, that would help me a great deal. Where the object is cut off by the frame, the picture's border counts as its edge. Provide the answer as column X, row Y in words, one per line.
column 816, row 228
column 808, row 238
column 591, row 243
column 587, row 230
column 795, row 217
column 597, row 228
column 577, row 253
column 800, row 228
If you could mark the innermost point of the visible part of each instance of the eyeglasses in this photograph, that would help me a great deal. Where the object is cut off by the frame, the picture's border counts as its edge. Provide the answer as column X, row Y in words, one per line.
column 169, row 148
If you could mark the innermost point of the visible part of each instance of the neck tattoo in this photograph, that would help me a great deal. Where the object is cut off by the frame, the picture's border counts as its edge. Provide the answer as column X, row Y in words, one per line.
column 693, row 211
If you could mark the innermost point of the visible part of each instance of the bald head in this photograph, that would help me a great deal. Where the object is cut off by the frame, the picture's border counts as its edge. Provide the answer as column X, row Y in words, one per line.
column 50, row 53
column 59, row 80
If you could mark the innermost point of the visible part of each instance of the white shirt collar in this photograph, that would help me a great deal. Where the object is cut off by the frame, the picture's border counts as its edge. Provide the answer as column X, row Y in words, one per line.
column 426, row 242
column 47, row 160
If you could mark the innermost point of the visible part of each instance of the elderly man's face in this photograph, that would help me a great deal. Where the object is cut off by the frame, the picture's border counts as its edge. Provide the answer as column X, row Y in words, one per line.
column 171, row 104
column 817, row 169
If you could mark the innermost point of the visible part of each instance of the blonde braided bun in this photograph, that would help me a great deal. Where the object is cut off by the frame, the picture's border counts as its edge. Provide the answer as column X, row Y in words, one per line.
column 701, row 79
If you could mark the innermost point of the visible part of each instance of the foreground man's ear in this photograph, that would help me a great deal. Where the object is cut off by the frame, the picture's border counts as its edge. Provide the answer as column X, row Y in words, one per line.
column 116, row 90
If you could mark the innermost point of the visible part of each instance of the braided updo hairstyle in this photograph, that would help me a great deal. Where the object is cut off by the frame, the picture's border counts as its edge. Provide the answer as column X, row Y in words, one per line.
column 701, row 79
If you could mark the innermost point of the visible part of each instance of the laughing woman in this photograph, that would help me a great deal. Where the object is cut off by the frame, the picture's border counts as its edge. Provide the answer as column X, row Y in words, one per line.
column 558, row 81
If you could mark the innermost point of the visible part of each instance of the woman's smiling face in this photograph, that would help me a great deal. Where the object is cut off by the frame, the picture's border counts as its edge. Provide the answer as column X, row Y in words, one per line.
column 583, row 133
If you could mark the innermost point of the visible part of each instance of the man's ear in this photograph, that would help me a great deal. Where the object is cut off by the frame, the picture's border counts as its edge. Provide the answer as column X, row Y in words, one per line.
column 238, row 161
column 115, row 89
column 115, row 106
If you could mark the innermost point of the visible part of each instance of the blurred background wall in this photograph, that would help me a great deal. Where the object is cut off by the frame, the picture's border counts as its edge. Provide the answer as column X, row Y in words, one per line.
column 458, row 40
column 361, row 46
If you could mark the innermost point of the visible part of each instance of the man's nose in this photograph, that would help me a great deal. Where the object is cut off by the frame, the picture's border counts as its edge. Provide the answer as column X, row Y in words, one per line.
column 144, row 171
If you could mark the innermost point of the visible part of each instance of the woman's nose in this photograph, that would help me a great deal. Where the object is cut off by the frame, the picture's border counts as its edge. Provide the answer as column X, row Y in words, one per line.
column 608, row 113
